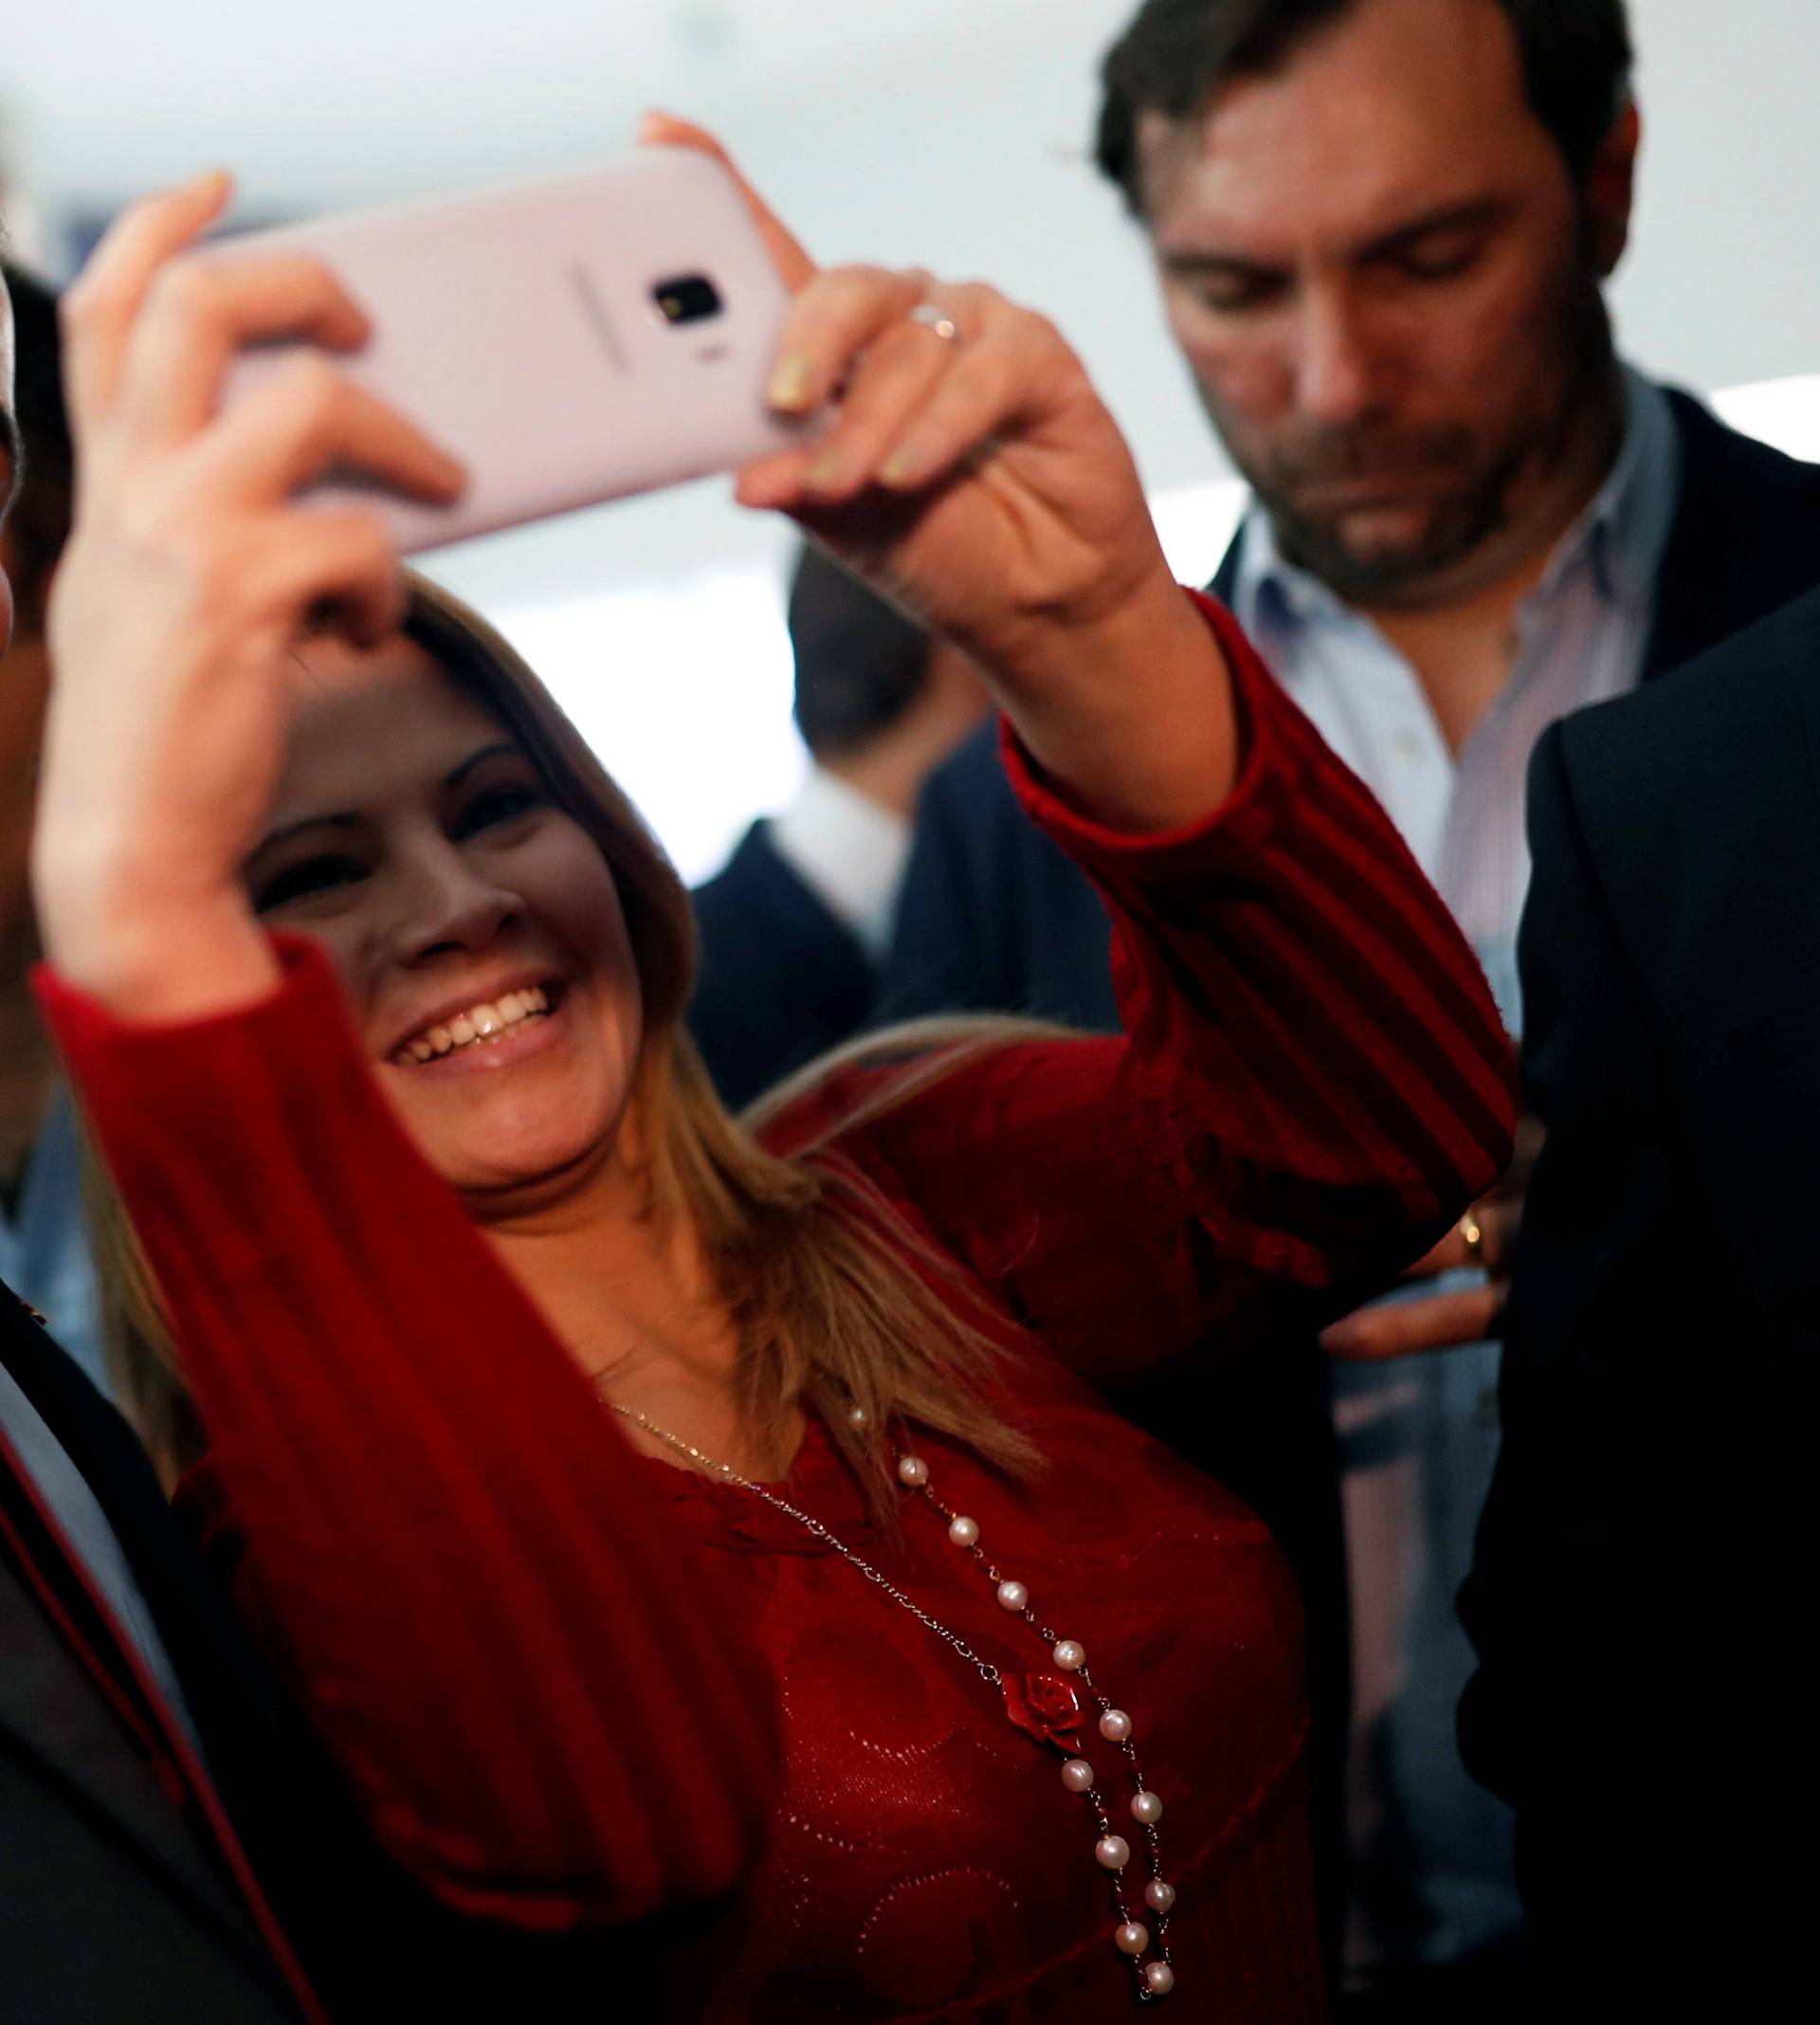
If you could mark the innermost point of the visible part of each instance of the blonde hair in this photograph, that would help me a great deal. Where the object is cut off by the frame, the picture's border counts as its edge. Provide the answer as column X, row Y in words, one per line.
column 837, row 1300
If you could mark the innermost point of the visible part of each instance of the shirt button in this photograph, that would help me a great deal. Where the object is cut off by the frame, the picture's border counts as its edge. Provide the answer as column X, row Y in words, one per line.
column 1406, row 746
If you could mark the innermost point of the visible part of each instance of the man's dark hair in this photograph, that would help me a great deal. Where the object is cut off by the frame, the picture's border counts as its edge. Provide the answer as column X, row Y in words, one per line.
column 39, row 517
column 858, row 663
column 1176, row 54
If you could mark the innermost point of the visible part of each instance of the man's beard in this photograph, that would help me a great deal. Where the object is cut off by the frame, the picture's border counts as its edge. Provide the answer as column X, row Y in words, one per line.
column 1470, row 491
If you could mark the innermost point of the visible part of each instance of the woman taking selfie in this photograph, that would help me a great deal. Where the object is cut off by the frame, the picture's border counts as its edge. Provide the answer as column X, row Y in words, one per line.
column 650, row 1511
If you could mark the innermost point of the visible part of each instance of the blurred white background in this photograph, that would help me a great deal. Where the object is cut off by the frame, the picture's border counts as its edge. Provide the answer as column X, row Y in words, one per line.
column 950, row 132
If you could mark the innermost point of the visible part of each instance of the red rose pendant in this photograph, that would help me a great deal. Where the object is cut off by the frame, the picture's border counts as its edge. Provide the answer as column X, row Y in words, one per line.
column 1045, row 1706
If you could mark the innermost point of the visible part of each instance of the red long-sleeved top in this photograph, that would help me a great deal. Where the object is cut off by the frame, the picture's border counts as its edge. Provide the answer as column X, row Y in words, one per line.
column 574, row 1684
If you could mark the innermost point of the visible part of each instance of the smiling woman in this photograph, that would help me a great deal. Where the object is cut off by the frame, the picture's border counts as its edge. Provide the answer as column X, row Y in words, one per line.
column 427, row 855
column 372, row 982
column 492, row 903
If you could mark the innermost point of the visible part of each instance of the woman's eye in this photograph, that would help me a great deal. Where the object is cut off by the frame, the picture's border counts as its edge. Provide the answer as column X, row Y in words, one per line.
column 498, row 804
column 307, row 877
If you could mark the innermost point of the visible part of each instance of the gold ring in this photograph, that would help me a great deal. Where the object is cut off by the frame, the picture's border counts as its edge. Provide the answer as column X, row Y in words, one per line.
column 937, row 319
column 1472, row 1233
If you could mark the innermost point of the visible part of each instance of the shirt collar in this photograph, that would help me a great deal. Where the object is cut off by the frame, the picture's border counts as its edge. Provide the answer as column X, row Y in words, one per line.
column 1625, row 528
column 849, row 851
column 1622, row 533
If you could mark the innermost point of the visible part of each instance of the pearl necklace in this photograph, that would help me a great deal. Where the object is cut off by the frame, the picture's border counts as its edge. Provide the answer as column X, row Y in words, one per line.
column 1043, row 1706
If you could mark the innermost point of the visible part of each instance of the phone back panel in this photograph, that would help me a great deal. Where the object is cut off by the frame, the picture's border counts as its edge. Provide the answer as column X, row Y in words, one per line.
column 521, row 331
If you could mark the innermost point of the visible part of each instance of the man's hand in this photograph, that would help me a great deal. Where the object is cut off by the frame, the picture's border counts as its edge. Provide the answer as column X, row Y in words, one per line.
column 1484, row 1237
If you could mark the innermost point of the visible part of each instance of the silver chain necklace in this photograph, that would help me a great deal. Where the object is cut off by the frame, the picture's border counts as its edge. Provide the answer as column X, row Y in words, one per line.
column 1047, row 1707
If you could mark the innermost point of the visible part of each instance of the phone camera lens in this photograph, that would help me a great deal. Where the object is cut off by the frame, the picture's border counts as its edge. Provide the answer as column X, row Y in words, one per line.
column 687, row 298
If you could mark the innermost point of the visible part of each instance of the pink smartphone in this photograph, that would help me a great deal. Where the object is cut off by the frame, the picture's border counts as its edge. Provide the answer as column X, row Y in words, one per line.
column 570, row 341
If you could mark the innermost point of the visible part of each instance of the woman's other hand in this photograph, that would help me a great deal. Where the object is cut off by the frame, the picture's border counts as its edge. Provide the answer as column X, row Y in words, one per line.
column 189, row 571
column 977, row 480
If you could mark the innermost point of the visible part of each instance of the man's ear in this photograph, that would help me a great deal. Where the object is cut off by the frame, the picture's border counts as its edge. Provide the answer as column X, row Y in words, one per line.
column 1611, row 189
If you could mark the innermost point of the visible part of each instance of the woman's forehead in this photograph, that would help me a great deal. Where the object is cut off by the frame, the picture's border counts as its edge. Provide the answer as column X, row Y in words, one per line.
column 376, row 719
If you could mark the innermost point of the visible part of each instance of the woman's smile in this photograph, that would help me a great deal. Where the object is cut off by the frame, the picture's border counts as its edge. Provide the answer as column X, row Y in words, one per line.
column 481, row 1029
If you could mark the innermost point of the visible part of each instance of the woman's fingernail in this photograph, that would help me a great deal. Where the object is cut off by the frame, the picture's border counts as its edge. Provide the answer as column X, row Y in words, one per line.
column 900, row 468
column 790, row 383
column 827, row 472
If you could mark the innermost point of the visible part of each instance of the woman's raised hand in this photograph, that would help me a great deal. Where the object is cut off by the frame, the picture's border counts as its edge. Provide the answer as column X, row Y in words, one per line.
column 971, row 472
column 189, row 570
column 976, row 478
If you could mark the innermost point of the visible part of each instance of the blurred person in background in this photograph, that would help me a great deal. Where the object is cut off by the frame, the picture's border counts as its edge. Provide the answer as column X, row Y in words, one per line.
column 793, row 928
column 44, row 1247
column 372, row 984
column 1382, row 229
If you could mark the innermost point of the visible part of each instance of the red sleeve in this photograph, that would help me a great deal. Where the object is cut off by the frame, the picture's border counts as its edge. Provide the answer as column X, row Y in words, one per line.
column 477, row 1605
column 1314, row 1081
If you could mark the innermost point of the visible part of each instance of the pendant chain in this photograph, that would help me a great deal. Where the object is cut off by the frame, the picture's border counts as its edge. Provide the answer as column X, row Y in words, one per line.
column 1154, row 1979
column 809, row 1524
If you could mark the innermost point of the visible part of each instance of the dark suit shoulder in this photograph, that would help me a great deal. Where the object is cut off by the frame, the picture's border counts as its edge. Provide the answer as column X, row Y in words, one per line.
column 1744, row 543
column 1694, row 812
column 994, row 916
column 757, row 898
column 779, row 978
column 969, row 787
column 1697, row 733
column 1715, row 453
column 754, row 873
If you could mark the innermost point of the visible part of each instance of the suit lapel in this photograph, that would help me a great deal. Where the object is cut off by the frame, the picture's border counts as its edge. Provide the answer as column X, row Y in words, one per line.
column 1745, row 539
column 1226, row 578
column 53, row 1717
column 771, row 885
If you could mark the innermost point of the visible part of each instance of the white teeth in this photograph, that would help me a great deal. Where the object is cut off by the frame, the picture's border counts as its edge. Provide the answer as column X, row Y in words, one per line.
column 485, row 1021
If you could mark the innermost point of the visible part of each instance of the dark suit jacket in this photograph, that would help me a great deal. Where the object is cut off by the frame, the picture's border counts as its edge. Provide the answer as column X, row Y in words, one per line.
column 779, row 980
column 1636, row 1596
column 116, row 1902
